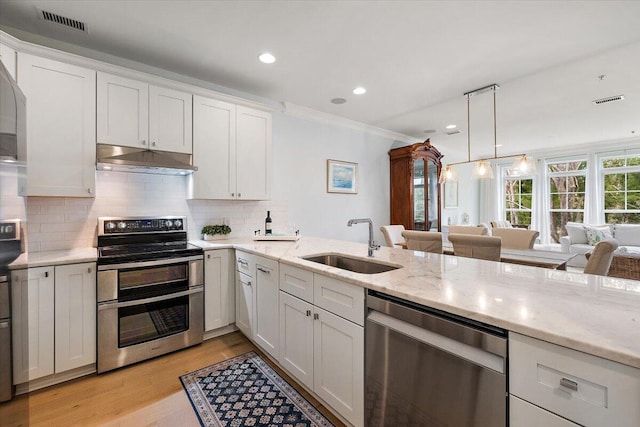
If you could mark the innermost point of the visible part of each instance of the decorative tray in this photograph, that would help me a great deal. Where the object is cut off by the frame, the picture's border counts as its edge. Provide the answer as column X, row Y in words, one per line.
column 287, row 237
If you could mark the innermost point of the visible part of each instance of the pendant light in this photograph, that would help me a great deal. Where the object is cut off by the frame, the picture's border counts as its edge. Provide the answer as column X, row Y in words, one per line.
column 483, row 168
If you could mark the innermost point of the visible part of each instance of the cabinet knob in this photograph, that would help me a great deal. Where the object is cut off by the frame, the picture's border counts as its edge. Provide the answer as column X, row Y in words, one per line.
column 153, row 143
column 89, row 270
column 239, row 195
column 249, row 283
column 308, row 313
column 233, row 194
column 208, row 256
column 316, row 316
column 143, row 142
column 89, row 190
column 46, row 274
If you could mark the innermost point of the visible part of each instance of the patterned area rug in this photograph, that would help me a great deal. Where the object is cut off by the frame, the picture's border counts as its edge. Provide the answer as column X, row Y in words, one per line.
column 246, row 391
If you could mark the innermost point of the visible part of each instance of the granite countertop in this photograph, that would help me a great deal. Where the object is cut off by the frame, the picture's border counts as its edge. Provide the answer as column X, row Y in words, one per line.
column 593, row 314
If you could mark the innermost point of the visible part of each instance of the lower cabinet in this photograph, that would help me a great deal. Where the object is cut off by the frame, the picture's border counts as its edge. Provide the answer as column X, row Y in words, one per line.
column 266, row 329
column 219, row 289
column 324, row 351
column 244, row 304
column 552, row 385
column 54, row 320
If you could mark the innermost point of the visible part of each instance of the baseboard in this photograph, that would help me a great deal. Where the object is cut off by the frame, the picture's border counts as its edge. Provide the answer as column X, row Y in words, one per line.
column 220, row 331
column 54, row 379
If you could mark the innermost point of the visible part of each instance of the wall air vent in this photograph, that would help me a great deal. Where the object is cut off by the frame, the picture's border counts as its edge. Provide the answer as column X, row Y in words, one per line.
column 453, row 132
column 63, row 20
column 608, row 99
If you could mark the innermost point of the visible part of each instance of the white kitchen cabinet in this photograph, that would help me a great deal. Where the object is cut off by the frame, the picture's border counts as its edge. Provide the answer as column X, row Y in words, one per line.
column 32, row 300
column 524, row 414
column 244, row 304
column 132, row 113
column 61, row 123
column 54, row 327
column 122, row 111
column 339, row 364
column 579, row 387
column 232, row 149
column 219, row 295
column 321, row 349
column 266, row 328
column 75, row 316
column 296, row 338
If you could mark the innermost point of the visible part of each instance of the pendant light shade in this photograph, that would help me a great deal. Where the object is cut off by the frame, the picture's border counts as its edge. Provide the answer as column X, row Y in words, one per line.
column 524, row 165
column 482, row 170
column 448, row 174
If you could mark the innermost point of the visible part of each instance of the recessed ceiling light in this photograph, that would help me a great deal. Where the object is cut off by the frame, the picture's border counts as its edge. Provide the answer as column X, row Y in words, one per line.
column 267, row 58
column 451, row 126
column 338, row 100
column 359, row 90
column 430, row 131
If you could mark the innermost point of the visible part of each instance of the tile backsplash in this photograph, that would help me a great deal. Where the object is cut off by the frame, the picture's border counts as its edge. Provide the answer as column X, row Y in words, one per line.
column 57, row 223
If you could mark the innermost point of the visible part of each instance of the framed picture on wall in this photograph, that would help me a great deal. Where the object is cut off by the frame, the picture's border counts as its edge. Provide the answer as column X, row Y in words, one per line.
column 450, row 195
column 342, row 177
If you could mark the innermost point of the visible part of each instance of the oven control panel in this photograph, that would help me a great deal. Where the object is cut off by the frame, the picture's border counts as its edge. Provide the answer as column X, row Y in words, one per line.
column 140, row 225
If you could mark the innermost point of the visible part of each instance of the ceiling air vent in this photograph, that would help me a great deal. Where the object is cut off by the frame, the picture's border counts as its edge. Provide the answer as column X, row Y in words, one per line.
column 608, row 99
column 453, row 132
column 63, row 20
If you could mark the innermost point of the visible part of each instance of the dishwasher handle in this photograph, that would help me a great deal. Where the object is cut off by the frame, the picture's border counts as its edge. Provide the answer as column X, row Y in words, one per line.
column 472, row 354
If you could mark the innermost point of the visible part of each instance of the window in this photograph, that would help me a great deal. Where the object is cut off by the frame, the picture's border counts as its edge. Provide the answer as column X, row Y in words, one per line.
column 567, row 185
column 621, row 189
column 518, row 198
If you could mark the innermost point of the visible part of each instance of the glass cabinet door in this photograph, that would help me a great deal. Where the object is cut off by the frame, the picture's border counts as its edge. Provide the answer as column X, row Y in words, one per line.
column 419, row 193
column 433, row 210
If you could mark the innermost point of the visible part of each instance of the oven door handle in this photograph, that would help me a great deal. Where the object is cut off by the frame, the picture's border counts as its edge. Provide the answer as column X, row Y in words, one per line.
column 114, row 304
column 141, row 264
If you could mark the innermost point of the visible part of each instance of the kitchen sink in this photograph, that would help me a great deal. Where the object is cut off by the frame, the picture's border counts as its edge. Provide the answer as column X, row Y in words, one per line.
column 357, row 265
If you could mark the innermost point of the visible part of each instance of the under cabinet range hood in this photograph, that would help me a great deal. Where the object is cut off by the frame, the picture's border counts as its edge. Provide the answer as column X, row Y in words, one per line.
column 129, row 159
column 13, row 125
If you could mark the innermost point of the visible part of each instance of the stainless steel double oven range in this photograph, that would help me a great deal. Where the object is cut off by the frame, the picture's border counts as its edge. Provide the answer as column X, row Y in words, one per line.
column 150, row 289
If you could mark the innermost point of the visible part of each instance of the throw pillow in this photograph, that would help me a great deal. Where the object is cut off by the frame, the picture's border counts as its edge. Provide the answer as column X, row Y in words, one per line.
column 576, row 233
column 597, row 234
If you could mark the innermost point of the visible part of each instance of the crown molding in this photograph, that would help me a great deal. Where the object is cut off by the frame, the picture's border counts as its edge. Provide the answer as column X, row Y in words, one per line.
column 295, row 110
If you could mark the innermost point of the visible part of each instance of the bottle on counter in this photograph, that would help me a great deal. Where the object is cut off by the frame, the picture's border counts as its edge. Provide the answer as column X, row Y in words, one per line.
column 267, row 224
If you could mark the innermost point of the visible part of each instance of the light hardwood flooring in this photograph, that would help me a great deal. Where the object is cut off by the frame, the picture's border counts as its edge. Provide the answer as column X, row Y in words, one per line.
column 146, row 394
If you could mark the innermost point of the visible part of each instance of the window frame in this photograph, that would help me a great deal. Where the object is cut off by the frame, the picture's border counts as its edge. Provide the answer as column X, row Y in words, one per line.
column 602, row 172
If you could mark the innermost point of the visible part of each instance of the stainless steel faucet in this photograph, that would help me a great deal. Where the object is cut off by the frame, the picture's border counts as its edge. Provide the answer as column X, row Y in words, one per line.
column 372, row 244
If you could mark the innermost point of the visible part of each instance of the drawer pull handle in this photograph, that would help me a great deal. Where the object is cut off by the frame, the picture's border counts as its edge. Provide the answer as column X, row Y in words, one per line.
column 567, row 383
column 262, row 270
column 243, row 262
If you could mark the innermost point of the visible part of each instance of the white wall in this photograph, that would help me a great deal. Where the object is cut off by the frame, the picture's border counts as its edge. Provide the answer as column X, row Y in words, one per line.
column 468, row 197
column 301, row 148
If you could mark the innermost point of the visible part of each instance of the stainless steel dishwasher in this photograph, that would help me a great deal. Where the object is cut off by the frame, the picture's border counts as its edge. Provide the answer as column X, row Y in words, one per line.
column 424, row 367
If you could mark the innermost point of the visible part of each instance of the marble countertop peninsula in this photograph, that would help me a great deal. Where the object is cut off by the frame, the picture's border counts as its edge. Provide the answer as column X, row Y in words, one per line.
column 44, row 259
column 593, row 314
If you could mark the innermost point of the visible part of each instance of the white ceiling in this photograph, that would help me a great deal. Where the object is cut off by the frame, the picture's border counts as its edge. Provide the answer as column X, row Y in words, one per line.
column 416, row 59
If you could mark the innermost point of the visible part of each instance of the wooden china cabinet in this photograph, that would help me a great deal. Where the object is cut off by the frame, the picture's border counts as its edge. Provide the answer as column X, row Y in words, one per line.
column 415, row 192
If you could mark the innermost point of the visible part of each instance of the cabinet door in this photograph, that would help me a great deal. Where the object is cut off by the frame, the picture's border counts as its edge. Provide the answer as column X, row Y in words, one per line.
column 524, row 414
column 253, row 145
column 170, row 120
column 267, row 324
column 244, row 304
column 122, row 111
column 214, row 149
column 8, row 57
column 32, row 296
column 75, row 316
column 339, row 364
column 218, row 294
column 296, row 338
column 61, row 122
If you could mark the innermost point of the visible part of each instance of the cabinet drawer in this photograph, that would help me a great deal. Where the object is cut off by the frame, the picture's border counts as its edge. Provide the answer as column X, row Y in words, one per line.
column 524, row 414
column 245, row 263
column 340, row 298
column 297, row 282
column 586, row 389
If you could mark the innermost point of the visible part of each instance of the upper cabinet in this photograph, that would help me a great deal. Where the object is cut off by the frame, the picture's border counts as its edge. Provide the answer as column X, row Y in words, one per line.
column 132, row 113
column 8, row 58
column 415, row 192
column 61, row 123
column 232, row 149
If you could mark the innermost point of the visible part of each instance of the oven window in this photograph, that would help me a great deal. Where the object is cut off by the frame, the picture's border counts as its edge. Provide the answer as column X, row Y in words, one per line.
column 146, row 322
column 152, row 281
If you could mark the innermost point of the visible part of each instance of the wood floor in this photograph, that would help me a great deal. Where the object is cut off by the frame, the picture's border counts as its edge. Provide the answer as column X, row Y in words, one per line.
column 145, row 394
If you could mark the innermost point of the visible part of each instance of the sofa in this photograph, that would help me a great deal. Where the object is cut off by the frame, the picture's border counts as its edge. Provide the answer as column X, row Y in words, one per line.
column 581, row 238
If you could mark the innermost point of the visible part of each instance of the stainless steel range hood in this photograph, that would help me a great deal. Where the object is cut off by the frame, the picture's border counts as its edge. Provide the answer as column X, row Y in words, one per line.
column 129, row 159
column 12, row 119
